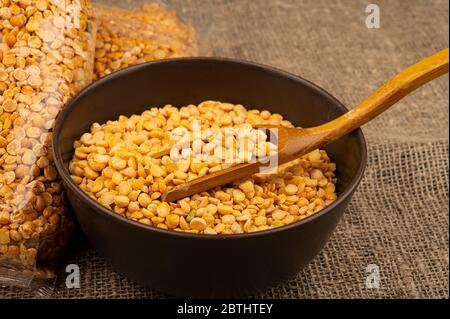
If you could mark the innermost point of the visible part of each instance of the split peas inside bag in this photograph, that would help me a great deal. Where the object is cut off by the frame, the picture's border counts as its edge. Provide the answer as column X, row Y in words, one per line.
column 49, row 51
column 129, row 37
column 46, row 55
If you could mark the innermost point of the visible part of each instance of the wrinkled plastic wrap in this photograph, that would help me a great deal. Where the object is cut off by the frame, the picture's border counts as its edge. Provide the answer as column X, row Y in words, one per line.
column 50, row 50
column 131, row 36
column 46, row 57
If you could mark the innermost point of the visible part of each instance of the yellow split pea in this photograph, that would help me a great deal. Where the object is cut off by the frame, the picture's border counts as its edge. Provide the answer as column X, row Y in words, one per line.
column 129, row 37
column 113, row 164
column 43, row 62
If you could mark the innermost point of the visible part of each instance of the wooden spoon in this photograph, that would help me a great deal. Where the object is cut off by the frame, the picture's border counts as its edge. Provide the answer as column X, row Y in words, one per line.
column 294, row 142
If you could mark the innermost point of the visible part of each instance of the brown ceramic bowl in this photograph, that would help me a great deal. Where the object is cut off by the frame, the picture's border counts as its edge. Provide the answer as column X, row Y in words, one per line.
column 200, row 265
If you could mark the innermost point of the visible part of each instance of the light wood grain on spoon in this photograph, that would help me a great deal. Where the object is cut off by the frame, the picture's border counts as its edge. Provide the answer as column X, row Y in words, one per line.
column 293, row 143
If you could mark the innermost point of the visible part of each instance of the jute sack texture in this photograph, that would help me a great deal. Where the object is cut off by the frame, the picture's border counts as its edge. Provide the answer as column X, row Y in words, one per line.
column 398, row 218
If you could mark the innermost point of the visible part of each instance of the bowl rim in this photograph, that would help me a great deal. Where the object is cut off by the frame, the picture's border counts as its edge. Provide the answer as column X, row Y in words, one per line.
column 67, row 180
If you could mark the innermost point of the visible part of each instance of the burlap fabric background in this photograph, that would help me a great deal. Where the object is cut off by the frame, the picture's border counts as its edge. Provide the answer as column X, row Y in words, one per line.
column 398, row 218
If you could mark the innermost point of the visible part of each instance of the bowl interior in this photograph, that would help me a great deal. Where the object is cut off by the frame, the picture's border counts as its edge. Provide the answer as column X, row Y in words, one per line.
column 190, row 81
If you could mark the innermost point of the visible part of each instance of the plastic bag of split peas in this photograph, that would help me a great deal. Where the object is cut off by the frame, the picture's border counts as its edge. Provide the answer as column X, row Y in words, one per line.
column 146, row 33
column 46, row 56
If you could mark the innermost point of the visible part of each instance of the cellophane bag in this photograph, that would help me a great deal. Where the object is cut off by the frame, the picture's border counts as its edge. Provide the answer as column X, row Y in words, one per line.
column 46, row 56
column 146, row 33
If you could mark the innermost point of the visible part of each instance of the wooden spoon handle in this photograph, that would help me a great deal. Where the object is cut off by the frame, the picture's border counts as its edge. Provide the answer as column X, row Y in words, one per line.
column 388, row 94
